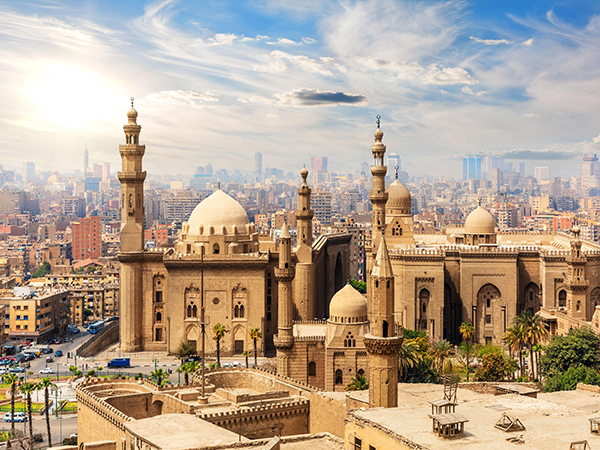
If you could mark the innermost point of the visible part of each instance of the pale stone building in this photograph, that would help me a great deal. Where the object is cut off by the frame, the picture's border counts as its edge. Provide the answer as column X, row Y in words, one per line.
column 218, row 262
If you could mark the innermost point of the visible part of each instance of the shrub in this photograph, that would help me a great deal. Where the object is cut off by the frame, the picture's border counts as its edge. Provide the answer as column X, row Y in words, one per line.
column 495, row 367
column 568, row 380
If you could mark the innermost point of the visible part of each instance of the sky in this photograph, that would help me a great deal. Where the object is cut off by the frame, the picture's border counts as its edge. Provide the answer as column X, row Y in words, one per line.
column 216, row 81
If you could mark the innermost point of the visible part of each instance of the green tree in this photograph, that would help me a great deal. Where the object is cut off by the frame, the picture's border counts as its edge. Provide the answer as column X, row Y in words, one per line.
column 359, row 383
column 44, row 270
column 27, row 389
column 87, row 313
column 219, row 331
column 440, row 351
column 580, row 347
column 246, row 355
column 408, row 357
column 184, row 370
column 534, row 332
column 568, row 380
column 467, row 330
column 255, row 335
column 13, row 380
column 192, row 367
column 495, row 367
column 185, row 349
column 360, row 286
column 159, row 375
column 46, row 384
column 515, row 340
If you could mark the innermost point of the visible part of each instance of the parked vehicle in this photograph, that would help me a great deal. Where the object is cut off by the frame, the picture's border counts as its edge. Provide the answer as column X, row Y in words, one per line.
column 48, row 350
column 16, row 370
column 47, row 370
column 192, row 358
column 18, row 417
column 58, row 354
column 119, row 362
column 49, row 359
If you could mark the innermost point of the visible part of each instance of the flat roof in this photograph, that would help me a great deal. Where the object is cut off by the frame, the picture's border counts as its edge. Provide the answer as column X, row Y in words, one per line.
column 180, row 431
column 552, row 420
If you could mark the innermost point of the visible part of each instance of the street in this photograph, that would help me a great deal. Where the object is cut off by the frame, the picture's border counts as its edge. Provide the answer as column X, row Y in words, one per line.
column 62, row 427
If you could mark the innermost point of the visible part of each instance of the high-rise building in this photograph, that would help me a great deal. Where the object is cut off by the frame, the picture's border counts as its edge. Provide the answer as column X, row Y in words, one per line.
column 28, row 171
column 393, row 162
column 497, row 179
column 490, row 163
column 318, row 164
column 257, row 167
column 590, row 171
column 321, row 203
column 472, row 167
column 87, row 242
column 522, row 168
column 105, row 171
column 97, row 171
column 542, row 173
column 86, row 161
column 74, row 206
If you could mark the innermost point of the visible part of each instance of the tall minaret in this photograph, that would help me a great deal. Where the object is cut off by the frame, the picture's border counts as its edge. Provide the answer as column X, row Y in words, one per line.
column 132, row 234
column 304, row 214
column 382, row 343
column 378, row 195
column 575, row 281
column 285, row 274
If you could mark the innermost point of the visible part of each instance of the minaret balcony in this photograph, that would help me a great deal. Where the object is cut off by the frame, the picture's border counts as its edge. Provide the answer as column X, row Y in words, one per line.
column 283, row 341
column 379, row 171
column 305, row 215
column 125, row 177
column 382, row 345
column 285, row 274
column 378, row 197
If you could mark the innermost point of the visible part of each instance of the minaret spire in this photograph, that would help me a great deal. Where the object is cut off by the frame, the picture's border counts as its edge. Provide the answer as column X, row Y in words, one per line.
column 284, row 340
column 304, row 214
column 378, row 195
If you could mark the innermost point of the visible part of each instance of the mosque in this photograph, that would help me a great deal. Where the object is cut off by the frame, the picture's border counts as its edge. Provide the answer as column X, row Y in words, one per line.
column 425, row 282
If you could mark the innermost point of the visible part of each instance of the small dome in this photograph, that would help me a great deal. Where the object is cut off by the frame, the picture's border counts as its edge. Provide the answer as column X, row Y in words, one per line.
column 378, row 135
column 304, row 172
column 398, row 197
column 346, row 303
column 132, row 113
column 480, row 221
column 218, row 210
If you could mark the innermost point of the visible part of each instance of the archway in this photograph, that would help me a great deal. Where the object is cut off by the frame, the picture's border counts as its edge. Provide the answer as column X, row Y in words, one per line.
column 562, row 298
column 530, row 300
column 424, row 296
column 339, row 273
column 594, row 301
column 488, row 308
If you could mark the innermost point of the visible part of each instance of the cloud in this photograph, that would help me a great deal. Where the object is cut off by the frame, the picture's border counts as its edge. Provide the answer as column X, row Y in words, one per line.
column 189, row 98
column 259, row 37
column 308, row 97
column 223, row 39
column 321, row 66
column 448, row 76
column 540, row 155
column 491, row 41
column 284, row 41
column 528, row 42
column 468, row 90
column 308, row 40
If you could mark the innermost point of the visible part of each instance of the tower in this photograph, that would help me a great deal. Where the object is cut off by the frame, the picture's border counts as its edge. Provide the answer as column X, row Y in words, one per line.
column 132, row 234
column 257, row 167
column 576, row 282
column 382, row 343
column 304, row 214
column 86, row 162
column 378, row 195
column 285, row 275
column 304, row 297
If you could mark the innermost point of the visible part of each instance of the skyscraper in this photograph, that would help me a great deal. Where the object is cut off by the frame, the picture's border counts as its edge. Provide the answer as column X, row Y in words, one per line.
column 489, row 164
column 86, row 161
column 257, row 167
column 590, row 169
column 542, row 173
column 28, row 171
column 105, row 171
column 472, row 167
column 318, row 164
column 87, row 243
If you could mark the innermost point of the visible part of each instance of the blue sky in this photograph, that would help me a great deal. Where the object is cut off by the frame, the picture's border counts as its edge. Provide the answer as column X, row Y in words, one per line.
column 216, row 81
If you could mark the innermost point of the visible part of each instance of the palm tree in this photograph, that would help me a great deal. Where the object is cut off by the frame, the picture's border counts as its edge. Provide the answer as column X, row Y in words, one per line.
column 13, row 380
column 467, row 330
column 440, row 351
column 533, row 330
column 27, row 389
column 219, row 331
column 191, row 368
column 513, row 337
column 537, row 348
column 246, row 354
column 46, row 384
column 159, row 375
column 359, row 383
column 408, row 356
column 255, row 335
column 183, row 369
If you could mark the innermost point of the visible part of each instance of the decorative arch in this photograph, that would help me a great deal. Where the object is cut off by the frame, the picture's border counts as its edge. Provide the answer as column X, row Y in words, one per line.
column 339, row 377
column 531, row 299
column 424, row 297
column 487, row 307
column 239, row 306
column 192, row 301
column 312, row 369
column 562, row 298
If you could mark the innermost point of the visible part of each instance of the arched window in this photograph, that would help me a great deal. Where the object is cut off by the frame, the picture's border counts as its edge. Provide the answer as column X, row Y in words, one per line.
column 562, row 298
column 189, row 311
column 345, row 342
column 361, row 373
column 312, row 369
column 339, row 376
column 130, row 200
column 194, row 311
column 236, row 311
column 530, row 296
column 353, row 342
column 424, row 307
column 578, row 305
column 242, row 311
column 376, row 284
column 158, row 317
column 216, row 249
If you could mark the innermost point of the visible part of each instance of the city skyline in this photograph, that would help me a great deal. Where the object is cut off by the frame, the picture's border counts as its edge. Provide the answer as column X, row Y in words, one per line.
column 296, row 81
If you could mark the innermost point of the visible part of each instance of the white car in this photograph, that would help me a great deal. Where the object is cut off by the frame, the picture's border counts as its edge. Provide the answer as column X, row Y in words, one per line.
column 47, row 370
column 18, row 417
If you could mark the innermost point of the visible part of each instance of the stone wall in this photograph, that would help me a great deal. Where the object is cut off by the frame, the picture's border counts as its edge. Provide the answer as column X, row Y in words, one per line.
column 483, row 387
column 588, row 388
column 326, row 415
column 99, row 342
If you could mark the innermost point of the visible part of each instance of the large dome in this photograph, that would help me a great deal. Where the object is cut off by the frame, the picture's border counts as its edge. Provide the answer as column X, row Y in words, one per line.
column 346, row 304
column 218, row 210
column 398, row 197
column 480, row 221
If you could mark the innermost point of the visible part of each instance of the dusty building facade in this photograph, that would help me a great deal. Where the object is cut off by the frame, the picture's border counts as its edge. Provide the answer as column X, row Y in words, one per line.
column 219, row 262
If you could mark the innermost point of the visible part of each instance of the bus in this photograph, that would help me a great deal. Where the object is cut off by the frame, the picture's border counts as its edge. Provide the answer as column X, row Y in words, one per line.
column 96, row 326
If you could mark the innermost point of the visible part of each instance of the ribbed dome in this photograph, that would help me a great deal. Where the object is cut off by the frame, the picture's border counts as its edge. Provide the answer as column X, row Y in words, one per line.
column 480, row 221
column 218, row 210
column 348, row 303
column 398, row 197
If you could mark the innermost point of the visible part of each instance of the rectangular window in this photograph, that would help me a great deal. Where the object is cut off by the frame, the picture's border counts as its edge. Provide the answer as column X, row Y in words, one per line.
column 18, row 327
column 158, row 297
column 18, row 317
column 357, row 444
column 26, row 307
column 268, row 299
column 488, row 319
column 25, row 327
column 158, row 334
column 268, row 317
column 25, row 317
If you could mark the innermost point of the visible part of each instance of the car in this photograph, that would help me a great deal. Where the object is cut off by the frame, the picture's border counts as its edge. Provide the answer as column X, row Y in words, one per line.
column 3, row 370
column 16, row 370
column 47, row 370
column 58, row 354
column 49, row 359
column 193, row 358
column 75, row 330
column 5, row 362
column 18, row 417
column 28, row 357
column 236, row 364
column 47, row 351
column 57, row 340
column 68, row 339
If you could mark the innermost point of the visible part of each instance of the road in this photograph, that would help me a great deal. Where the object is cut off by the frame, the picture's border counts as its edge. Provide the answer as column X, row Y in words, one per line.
column 61, row 427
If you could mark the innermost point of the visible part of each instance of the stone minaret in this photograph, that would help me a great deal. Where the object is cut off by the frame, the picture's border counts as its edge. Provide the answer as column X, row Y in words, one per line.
column 382, row 343
column 284, row 340
column 378, row 195
column 576, row 282
column 132, row 234
column 304, row 214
